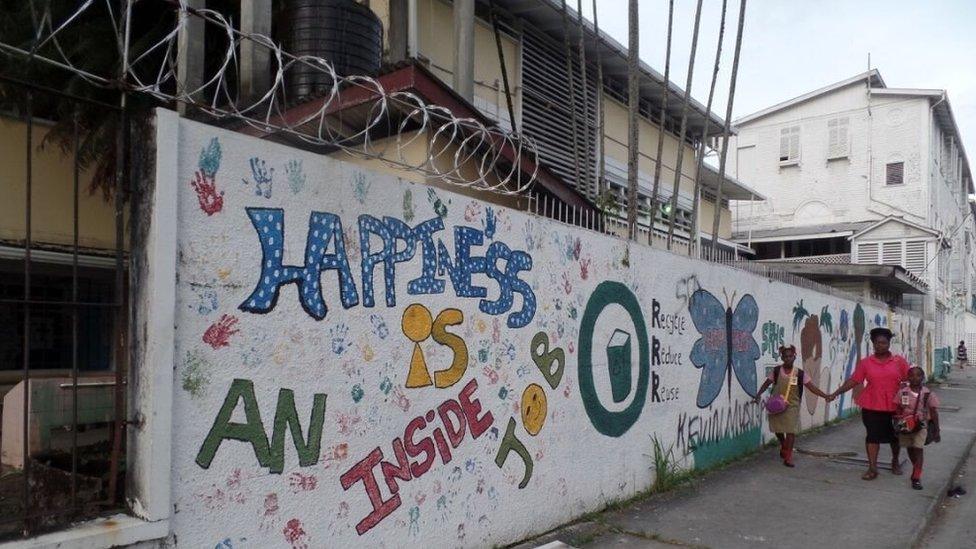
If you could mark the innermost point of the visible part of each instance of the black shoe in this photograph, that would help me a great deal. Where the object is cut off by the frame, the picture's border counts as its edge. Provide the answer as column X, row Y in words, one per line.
column 916, row 484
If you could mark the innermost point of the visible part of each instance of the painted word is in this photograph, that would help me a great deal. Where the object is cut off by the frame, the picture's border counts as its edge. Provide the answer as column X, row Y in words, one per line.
column 456, row 415
column 326, row 251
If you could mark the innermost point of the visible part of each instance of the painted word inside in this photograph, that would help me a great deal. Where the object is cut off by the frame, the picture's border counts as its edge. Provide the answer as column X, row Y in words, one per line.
column 456, row 416
column 270, row 455
column 325, row 250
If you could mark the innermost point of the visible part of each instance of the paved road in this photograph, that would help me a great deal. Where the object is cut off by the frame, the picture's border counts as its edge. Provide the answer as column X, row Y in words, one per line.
column 954, row 527
column 820, row 503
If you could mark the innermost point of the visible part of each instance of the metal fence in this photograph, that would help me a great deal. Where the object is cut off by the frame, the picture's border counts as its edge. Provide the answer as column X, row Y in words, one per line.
column 63, row 311
column 612, row 224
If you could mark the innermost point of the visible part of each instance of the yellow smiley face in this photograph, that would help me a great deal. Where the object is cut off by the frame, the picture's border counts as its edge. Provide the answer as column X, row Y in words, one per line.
column 534, row 409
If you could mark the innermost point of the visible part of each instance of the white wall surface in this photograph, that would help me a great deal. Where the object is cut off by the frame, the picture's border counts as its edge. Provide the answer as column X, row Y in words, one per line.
column 590, row 443
column 819, row 190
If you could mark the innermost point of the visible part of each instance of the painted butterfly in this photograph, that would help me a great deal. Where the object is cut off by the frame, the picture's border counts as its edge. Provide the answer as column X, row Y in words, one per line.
column 726, row 344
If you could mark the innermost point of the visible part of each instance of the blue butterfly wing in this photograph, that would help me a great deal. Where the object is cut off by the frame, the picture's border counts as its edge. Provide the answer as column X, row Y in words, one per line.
column 710, row 352
column 745, row 350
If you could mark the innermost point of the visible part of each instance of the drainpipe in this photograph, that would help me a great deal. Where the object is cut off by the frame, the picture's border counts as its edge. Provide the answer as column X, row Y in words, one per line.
column 398, row 31
column 464, row 48
column 413, row 47
column 189, row 53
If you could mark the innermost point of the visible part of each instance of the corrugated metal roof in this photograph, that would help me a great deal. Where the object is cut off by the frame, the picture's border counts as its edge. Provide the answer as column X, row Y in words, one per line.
column 797, row 233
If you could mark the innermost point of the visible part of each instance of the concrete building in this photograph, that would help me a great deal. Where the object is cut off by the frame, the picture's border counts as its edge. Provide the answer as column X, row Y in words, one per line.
column 861, row 173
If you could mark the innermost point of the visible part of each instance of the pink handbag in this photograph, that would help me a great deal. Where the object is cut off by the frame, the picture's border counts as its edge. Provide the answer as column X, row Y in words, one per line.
column 776, row 404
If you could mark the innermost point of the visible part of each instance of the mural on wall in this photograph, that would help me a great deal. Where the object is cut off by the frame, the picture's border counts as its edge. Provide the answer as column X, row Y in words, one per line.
column 368, row 361
column 726, row 346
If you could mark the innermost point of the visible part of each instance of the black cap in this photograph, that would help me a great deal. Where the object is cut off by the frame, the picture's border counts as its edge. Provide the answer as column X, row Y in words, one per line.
column 881, row 331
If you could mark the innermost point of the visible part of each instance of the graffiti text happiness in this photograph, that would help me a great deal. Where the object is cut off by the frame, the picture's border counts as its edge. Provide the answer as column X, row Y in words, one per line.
column 325, row 250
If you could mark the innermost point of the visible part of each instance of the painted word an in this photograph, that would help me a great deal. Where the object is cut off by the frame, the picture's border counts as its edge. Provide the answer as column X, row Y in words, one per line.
column 456, row 415
column 270, row 455
column 325, row 251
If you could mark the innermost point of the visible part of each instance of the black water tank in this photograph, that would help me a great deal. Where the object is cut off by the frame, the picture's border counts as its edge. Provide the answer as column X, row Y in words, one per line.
column 343, row 32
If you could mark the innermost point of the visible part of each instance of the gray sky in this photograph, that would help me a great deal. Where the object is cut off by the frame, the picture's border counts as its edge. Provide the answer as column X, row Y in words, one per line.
column 792, row 47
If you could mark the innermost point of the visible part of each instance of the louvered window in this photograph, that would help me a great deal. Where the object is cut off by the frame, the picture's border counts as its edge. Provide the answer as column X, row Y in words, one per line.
column 891, row 253
column 789, row 145
column 894, row 173
column 547, row 110
column 837, row 146
column 915, row 256
column 867, row 253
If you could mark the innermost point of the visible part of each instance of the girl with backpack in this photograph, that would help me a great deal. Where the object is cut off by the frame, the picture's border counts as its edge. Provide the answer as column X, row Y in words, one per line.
column 783, row 406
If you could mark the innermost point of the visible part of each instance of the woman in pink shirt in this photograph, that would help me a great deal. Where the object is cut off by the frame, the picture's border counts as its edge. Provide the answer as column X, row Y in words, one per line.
column 884, row 372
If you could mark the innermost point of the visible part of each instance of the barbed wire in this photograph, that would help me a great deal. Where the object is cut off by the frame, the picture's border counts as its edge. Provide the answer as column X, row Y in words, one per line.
column 461, row 151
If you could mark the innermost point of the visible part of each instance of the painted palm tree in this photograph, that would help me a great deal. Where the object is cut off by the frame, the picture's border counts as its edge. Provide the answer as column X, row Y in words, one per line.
column 799, row 313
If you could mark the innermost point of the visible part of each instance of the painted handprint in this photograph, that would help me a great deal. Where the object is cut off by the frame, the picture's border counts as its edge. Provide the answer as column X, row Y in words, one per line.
column 584, row 268
column 296, row 177
column 302, row 483
column 262, row 176
column 209, row 161
column 361, row 187
column 210, row 200
column 339, row 341
column 472, row 211
column 218, row 334
column 439, row 207
column 408, row 212
column 295, row 535
column 489, row 223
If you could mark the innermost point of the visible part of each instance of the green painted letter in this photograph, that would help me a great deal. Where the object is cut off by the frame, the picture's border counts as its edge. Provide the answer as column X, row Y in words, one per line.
column 252, row 431
column 287, row 418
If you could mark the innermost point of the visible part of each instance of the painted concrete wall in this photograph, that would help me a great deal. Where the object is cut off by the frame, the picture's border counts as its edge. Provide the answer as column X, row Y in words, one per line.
column 464, row 375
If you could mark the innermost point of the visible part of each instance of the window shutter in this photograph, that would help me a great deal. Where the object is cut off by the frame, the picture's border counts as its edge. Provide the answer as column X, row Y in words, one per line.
column 867, row 253
column 894, row 173
column 891, row 253
column 837, row 137
column 915, row 259
column 795, row 144
column 789, row 144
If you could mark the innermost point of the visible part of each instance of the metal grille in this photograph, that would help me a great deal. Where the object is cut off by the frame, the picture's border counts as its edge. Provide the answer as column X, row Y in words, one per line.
column 64, row 328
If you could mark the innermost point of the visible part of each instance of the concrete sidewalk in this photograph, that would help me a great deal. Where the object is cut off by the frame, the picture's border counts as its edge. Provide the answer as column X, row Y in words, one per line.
column 821, row 502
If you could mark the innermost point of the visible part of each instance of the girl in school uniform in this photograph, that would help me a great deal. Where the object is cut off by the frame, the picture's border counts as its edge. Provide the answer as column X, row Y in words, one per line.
column 916, row 419
column 788, row 383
